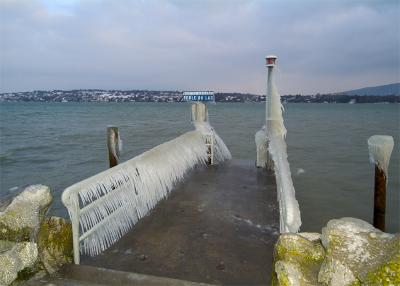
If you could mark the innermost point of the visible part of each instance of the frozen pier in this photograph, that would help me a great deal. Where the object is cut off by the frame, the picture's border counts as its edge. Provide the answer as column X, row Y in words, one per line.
column 218, row 226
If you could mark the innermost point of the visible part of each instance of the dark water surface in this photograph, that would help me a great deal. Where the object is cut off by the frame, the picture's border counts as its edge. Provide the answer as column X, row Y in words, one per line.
column 59, row 144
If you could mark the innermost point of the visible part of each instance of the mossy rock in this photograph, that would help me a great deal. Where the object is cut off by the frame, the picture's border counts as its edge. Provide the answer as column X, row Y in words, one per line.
column 17, row 261
column 20, row 220
column 357, row 253
column 17, row 235
column 297, row 260
column 55, row 243
column 388, row 273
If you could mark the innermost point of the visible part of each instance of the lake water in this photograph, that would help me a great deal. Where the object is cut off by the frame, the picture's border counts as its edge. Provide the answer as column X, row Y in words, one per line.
column 58, row 144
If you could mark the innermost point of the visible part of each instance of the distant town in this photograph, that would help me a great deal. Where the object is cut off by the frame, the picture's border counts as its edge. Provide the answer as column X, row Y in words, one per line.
column 97, row 95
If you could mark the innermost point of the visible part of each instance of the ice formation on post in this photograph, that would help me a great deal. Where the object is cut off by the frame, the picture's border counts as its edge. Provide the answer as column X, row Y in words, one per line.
column 108, row 204
column 200, row 122
column 290, row 220
column 380, row 148
column 261, row 147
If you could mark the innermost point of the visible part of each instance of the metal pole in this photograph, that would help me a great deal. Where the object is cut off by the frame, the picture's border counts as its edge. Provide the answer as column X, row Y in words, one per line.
column 379, row 198
column 112, row 145
column 270, row 63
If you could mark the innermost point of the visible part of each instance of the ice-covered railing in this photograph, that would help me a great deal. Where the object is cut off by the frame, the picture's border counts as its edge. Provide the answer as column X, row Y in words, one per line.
column 275, row 132
column 104, row 207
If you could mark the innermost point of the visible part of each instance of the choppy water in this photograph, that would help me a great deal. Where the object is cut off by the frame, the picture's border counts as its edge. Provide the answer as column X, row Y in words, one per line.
column 59, row 144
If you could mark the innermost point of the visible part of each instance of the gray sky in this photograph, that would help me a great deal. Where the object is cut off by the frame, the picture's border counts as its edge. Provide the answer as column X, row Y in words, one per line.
column 322, row 46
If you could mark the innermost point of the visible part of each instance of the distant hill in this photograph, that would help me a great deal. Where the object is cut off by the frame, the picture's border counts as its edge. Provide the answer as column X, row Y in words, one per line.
column 388, row 89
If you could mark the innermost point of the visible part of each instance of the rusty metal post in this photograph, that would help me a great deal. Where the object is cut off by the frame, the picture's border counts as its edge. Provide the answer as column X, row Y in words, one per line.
column 379, row 198
column 113, row 145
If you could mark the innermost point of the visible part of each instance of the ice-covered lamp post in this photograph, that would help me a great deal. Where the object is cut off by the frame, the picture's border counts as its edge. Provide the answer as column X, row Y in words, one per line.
column 272, row 153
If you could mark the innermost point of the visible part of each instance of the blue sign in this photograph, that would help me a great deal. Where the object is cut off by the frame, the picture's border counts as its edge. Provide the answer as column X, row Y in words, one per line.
column 198, row 96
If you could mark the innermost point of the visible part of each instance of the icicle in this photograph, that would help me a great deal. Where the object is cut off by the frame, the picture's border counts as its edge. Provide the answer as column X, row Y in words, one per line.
column 114, row 200
column 290, row 220
column 221, row 152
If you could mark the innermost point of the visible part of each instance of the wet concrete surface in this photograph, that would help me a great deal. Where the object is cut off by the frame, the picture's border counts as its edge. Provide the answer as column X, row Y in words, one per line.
column 218, row 226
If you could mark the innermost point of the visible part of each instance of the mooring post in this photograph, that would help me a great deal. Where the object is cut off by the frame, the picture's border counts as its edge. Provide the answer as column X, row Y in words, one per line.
column 113, row 145
column 379, row 198
column 380, row 148
column 200, row 117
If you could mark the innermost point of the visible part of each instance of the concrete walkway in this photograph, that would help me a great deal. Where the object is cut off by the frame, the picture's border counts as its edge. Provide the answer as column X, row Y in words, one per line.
column 217, row 227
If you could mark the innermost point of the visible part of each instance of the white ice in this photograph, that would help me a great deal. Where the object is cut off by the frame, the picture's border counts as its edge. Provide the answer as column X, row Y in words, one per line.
column 111, row 202
column 290, row 220
column 380, row 148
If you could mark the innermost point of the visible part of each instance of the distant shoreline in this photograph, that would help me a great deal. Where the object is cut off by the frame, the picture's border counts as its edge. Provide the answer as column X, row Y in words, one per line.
column 96, row 95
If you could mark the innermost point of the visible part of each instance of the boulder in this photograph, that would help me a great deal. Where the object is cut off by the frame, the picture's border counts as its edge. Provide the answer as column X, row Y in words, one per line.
column 21, row 218
column 297, row 259
column 20, row 257
column 359, row 254
column 55, row 243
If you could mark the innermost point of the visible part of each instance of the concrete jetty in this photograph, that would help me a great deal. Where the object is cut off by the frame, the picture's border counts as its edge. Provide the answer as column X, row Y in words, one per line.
column 218, row 227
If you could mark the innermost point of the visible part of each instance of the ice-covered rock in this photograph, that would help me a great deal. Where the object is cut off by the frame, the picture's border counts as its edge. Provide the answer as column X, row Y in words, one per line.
column 356, row 252
column 22, row 216
column 297, row 259
column 55, row 243
column 21, row 256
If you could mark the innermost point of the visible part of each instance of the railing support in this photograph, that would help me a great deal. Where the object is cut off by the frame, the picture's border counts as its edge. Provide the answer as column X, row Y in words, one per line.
column 113, row 145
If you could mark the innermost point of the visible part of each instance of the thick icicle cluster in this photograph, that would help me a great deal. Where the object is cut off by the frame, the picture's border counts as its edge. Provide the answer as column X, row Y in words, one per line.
column 221, row 152
column 201, row 123
column 380, row 148
column 111, row 202
column 290, row 220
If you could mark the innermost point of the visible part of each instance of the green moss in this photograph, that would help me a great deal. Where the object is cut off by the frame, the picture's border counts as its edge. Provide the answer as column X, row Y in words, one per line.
column 283, row 280
column 387, row 274
column 304, row 255
column 55, row 243
column 295, row 247
column 23, row 234
column 355, row 283
column 25, row 274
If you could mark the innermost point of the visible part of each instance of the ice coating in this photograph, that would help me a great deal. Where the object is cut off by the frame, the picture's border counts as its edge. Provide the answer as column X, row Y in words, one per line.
column 201, row 123
column 261, row 147
column 274, row 109
column 260, row 137
column 290, row 220
column 135, row 187
column 380, row 148
column 111, row 202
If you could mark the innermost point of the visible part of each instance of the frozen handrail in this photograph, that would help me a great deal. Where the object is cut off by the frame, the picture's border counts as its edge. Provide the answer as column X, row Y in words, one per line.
column 104, row 207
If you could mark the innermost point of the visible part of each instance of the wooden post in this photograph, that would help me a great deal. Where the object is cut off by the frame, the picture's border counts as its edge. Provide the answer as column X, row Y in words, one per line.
column 113, row 145
column 380, row 148
column 379, row 198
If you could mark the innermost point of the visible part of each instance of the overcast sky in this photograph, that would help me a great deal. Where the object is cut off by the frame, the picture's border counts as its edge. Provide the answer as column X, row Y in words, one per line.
column 322, row 46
